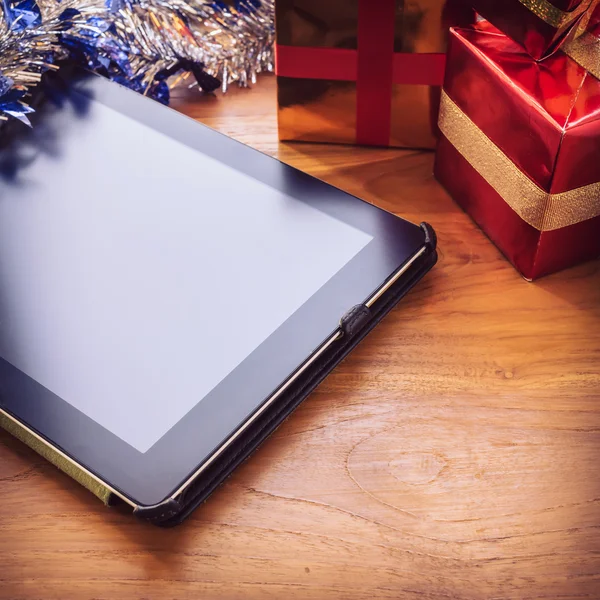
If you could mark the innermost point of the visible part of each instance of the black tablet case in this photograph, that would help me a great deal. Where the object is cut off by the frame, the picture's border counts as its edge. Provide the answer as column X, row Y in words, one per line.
column 356, row 324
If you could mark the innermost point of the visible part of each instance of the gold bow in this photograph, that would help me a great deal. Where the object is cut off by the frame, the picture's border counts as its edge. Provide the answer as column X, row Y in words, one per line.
column 555, row 17
column 585, row 51
column 534, row 205
column 584, row 48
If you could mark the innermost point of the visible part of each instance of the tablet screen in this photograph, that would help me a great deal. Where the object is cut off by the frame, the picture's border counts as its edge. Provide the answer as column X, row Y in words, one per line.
column 136, row 272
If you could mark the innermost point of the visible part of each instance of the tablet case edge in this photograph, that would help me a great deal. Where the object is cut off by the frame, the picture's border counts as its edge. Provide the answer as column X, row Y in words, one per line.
column 355, row 324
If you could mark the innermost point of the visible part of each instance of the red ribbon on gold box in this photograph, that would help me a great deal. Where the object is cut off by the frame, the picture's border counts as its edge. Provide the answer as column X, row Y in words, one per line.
column 359, row 71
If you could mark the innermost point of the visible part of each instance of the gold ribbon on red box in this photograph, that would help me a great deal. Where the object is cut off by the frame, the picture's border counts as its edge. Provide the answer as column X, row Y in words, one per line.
column 534, row 205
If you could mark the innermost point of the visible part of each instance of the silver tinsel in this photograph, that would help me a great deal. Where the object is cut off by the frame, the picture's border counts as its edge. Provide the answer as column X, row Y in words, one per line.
column 236, row 44
column 232, row 43
column 149, row 45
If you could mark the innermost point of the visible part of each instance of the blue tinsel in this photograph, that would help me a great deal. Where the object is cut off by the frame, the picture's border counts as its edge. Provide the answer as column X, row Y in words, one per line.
column 100, row 46
column 22, row 15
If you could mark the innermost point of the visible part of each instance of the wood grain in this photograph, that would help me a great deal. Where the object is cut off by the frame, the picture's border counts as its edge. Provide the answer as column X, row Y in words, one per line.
column 453, row 455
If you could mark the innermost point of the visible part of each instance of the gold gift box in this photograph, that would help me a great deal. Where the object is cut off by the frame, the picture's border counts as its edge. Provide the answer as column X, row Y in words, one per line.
column 324, row 109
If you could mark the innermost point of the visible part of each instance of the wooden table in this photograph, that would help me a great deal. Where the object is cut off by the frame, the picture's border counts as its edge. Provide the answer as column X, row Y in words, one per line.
column 454, row 455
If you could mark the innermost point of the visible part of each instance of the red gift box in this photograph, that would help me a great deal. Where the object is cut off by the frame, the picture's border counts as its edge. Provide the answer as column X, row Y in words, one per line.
column 540, row 26
column 520, row 149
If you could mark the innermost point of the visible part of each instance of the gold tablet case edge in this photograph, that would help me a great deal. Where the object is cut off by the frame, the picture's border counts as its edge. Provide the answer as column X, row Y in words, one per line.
column 56, row 457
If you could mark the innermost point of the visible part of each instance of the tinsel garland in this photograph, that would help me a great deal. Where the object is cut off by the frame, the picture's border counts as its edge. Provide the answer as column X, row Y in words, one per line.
column 29, row 44
column 147, row 45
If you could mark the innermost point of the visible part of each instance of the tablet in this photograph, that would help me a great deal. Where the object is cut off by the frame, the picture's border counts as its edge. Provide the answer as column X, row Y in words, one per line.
column 161, row 286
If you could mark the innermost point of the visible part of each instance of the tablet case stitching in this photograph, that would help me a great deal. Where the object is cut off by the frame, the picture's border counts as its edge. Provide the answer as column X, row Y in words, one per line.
column 355, row 319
